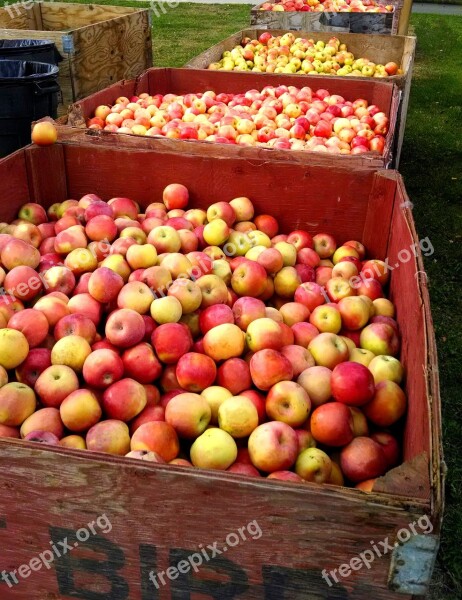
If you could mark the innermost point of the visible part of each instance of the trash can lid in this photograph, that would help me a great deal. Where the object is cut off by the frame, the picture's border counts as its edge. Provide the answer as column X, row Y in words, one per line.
column 26, row 70
column 15, row 44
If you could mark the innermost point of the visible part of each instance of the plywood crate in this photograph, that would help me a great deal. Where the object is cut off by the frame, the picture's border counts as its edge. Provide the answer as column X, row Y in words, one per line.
column 182, row 81
column 346, row 22
column 160, row 514
column 377, row 48
column 99, row 44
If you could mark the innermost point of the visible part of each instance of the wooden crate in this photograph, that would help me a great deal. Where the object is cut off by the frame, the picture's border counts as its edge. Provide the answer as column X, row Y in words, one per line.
column 99, row 44
column 182, row 81
column 161, row 514
column 378, row 48
column 345, row 22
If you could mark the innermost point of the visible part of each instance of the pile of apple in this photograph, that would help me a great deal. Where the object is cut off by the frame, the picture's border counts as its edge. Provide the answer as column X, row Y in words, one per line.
column 283, row 117
column 289, row 54
column 198, row 338
column 369, row 6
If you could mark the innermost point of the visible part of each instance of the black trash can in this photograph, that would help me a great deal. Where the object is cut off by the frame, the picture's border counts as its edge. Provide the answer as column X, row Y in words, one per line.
column 43, row 51
column 28, row 92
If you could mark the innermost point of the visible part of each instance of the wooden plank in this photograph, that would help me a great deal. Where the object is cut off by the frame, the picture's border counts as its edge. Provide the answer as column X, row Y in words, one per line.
column 298, row 539
column 14, row 16
column 14, row 188
column 61, row 16
column 106, row 52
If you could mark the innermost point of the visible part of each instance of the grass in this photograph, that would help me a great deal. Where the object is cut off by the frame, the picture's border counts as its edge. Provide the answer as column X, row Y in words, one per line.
column 431, row 165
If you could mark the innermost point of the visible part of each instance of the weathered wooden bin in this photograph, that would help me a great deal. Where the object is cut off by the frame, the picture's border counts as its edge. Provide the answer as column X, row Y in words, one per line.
column 99, row 44
column 378, row 48
column 346, row 22
column 161, row 514
column 182, row 81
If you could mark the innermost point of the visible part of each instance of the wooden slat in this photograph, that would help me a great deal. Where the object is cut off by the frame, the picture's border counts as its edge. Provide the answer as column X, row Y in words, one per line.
column 108, row 51
column 155, row 509
column 61, row 16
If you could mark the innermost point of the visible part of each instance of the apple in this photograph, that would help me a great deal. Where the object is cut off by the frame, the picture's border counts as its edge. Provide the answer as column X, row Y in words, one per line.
column 175, row 195
column 141, row 363
column 32, row 323
column 354, row 312
column 286, row 282
column 242, row 469
column 212, row 316
column 243, row 208
column 380, row 338
column 44, row 133
column 238, row 416
column 171, row 341
column 214, row 290
column 285, row 476
column 29, row 371
column 273, row 447
column 124, row 328
column 249, row 279
column 105, row 284
column 234, row 375
column 195, row 372
column 246, row 310
column 149, row 413
column 17, row 403
column 390, row 447
column 352, row 384
column 224, row 341
column 214, row 449
column 124, row 399
column 215, row 395
column 310, row 294
column 386, row 368
column 304, row 333
column 263, row 333
column 110, row 436
column 54, row 384
column 268, row 367
column 326, row 318
column 331, row 424
column 363, row 458
column 189, row 414
column 363, row 357
column 328, row 350
column 188, row 293
column 316, row 381
column 288, row 402
column 360, row 424
column 75, row 324
column 324, row 244
column 156, row 436
column 387, row 406
column 80, row 410
column 313, row 465
column 300, row 358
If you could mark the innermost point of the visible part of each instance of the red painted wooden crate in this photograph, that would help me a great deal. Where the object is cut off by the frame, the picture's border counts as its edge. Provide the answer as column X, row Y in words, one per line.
column 181, row 81
column 161, row 514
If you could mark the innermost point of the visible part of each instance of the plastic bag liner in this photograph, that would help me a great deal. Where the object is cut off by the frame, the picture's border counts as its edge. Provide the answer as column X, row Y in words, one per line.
column 14, row 49
column 22, row 71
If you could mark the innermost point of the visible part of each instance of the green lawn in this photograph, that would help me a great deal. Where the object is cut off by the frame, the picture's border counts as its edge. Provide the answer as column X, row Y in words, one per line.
column 431, row 164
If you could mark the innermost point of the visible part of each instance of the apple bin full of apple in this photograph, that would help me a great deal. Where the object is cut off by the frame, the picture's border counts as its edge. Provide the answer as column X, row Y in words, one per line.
column 263, row 333
column 369, row 17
